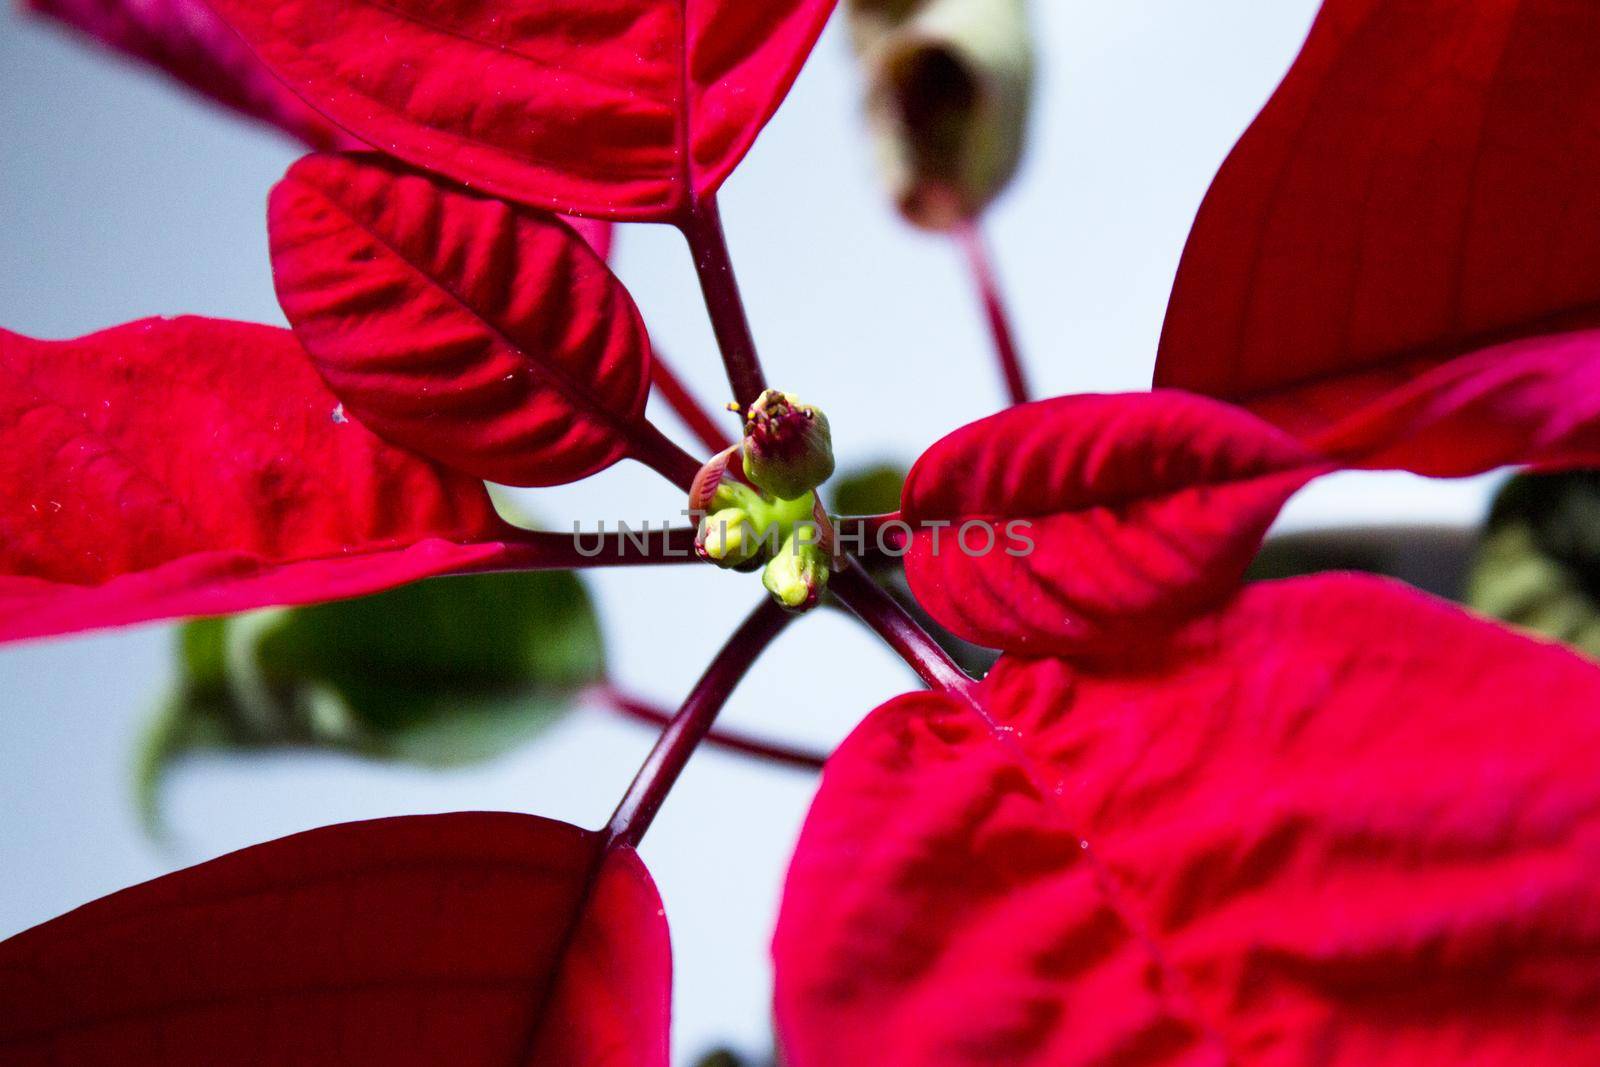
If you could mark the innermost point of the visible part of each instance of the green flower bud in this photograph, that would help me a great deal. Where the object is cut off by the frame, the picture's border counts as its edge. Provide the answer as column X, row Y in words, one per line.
column 788, row 448
column 728, row 538
column 948, row 88
column 798, row 574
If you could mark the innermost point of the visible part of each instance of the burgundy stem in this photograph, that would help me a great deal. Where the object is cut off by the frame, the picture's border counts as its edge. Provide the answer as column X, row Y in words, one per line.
column 688, row 406
column 542, row 550
column 691, row 724
column 733, row 741
column 858, row 592
column 702, row 227
column 970, row 238
column 873, row 535
column 664, row 455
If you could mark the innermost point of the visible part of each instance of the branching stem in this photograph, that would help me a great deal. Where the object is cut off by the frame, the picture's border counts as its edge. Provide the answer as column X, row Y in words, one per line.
column 543, row 550
column 857, row 591
column 694, row 414
column 702, row 228
column 664, row 456
column 691, row 724
column 733, row 741
column 976, row 251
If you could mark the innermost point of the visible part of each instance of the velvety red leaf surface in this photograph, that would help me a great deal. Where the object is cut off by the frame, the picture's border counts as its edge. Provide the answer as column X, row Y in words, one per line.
column 194, row 466
column 476, row 938
column 1145, row 508
column 1140, row 508
column 628, row 109
column 491, row 339
column 1339, row 824
column 1420, row 186
column 189, row 41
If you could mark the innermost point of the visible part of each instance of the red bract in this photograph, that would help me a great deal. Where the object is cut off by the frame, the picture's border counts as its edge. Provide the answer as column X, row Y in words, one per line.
column 1418, row 188
column 1144, row 509
column 1134, row 509
column 629, row 110
column 467, row 939
column 1321, row 827
column 154, row 474
column 186, row 39
column 492, row 340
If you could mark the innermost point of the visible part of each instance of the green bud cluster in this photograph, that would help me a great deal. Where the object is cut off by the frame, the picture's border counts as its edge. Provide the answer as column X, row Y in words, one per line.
column 772, row 519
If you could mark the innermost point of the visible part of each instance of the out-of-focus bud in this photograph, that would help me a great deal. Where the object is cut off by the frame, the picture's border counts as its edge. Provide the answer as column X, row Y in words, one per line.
column 948, row 88
column 728, row 538
column 798, row 574
column 788, row 448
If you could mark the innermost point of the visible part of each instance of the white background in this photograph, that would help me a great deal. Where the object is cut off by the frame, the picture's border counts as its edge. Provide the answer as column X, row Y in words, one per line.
column 121, row 197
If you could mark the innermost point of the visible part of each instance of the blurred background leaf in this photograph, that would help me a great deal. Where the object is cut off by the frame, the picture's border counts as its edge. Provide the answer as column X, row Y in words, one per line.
column 1538, row 566
column 437, row 673
column 1432, row 558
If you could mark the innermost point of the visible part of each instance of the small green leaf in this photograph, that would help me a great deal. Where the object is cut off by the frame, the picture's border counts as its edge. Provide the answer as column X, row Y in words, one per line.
column 1538, row 566
column 873, row 490
column 438, row 673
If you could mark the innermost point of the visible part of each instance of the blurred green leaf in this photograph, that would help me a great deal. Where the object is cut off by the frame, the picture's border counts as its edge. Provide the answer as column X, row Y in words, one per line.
column 1538, row 566
column 438, row 673
column 871, row 490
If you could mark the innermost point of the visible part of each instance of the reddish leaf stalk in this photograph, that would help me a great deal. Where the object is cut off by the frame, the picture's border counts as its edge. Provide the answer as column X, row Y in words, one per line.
column 688, row 407
column 732, row 741
column 691, row 724
column 867, row 535
column 976, row 251
column 702, row 228
column 664, row 455
column 543, row 550
column 869, row 603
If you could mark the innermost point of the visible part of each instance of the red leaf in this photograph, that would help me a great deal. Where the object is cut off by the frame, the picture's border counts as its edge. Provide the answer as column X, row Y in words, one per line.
column 492, row 340
column 186, row 39
column 596, row 233
column 474, row 938
column 1141, row 509
column 1420, row 187
column 189, row 41
column 1340, row 824
column 633, row 109
column 1529, row 401
column 192, row 466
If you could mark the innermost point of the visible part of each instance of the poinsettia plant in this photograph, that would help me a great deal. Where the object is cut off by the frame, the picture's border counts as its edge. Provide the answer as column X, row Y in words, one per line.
column 1185, row 818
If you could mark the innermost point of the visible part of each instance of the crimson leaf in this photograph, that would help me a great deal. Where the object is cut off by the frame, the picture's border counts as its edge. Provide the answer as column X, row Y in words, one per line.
column 1144, row 509
column 475, row 938
column 1321, row 827
column 195, row 466
column 1418, row 188
column 634, row 109
column 493, row 340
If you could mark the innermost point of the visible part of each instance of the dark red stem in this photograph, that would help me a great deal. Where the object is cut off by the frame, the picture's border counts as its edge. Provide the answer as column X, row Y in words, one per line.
column 688, row 406
column 691, row 724
column 541, row 550
column 771, row 751
column 702, row 227
column 970, row 238
column 664, row 455
column 857, row 591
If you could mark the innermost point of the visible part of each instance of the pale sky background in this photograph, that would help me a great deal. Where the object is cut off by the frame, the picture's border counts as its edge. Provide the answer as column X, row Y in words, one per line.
column 121, row 196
